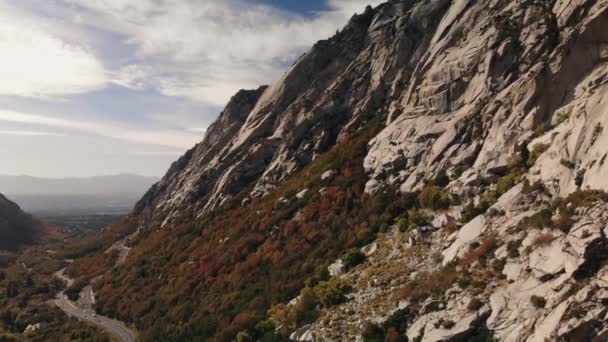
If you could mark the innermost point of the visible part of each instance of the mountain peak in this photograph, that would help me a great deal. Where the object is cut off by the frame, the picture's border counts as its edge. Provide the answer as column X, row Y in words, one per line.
column 435, row 171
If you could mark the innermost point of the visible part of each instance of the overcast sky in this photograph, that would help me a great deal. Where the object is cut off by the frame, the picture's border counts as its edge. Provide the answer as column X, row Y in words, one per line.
column 95, row 87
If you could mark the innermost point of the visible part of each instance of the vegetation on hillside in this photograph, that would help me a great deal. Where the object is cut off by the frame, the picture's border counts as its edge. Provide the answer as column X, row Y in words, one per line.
column 218, row 276
column 26, row 289
column 17, row 229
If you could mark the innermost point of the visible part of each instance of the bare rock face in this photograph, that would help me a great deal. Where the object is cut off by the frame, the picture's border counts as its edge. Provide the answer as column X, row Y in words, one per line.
column 465, row 87
column 494, row 75
column 266, row 134
column 465, row 84
column 195, row 174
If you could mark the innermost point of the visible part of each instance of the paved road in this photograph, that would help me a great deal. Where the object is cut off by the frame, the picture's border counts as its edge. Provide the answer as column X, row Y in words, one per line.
column 84, row 311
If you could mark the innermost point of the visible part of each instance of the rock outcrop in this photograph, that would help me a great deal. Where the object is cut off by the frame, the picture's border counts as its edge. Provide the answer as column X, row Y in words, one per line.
column 464, row 84
column 499, row 104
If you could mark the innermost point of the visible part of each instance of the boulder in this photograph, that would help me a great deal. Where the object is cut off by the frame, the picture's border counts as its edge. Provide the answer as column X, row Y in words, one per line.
column 370, row 249
column 328, row 175
column 452, row 326
column 32, row 328
column 470, row 232
column 302, row 194
column 304, row 334
column 336, row 269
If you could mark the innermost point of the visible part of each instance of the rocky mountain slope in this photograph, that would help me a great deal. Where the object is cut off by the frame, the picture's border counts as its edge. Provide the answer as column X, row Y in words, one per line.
column 461, row 143
column 16, row 227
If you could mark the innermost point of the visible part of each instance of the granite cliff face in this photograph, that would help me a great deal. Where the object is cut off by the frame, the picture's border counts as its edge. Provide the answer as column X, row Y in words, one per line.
column 507, row 101
column 463, row 82
column 333, row 89
column 496, row 76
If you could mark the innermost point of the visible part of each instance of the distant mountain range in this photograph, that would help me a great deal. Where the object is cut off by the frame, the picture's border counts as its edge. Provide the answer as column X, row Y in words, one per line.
column 117, row 184
column 102, row 194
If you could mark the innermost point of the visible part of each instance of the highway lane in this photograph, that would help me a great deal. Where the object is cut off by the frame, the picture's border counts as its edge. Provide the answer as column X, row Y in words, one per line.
column 84, row 311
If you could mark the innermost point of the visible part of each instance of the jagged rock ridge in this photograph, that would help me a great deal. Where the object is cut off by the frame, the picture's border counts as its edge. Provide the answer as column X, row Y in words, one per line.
column 335, row 88
column 467, row 86
column 465, row 83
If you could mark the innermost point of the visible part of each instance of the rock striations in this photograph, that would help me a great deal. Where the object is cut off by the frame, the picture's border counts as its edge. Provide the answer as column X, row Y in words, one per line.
column 508, row 100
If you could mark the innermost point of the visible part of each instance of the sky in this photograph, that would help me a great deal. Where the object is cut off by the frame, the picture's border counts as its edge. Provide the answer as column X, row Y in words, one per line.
column 99, row 87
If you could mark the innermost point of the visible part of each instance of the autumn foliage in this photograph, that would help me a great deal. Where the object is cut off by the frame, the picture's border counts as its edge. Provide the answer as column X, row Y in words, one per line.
column 210, row 278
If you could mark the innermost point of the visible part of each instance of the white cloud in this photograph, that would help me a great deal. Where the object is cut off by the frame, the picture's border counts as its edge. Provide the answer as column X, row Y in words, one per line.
column 164, row 137
column 36, row 63
column 30, row 133
column 157, row 153
column 133, row 76
column 207, row 50
column 201, row 51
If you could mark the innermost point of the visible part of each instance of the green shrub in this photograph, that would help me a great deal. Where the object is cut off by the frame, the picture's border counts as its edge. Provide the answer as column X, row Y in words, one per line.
column 536, row 152
column 445, row 323
column 392, row 335
column 564, row 221
column 536, row 186
column 597, row 130
column 352, row 258
column 8, row 337
column 541, row 128
column 304, row 311
column 399, row 320
column 580, row 177
column 479, row 251
column 538, row 302
column 458, row 170
column 541, row 219
column 543, row 240
column 505, row 183
column 442, row 180
column 481, row 334
column 471, row 211
column 488, row 199
column 428, row 284
column 498, row 265
column 562, row 117
column 402, row 223
column 585, row 198
column 568, row 163
column 517, row 163
column 264, row 327
column 433, row 197
column 513, row 248
column 416, row 218
column 292, row 316
column 330, row 293
column 372, row 332
column 73, row 292
column 515, row 168
column 244, row 336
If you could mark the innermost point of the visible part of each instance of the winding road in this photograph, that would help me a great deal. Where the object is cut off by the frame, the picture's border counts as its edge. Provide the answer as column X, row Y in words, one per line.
column 83, row 310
